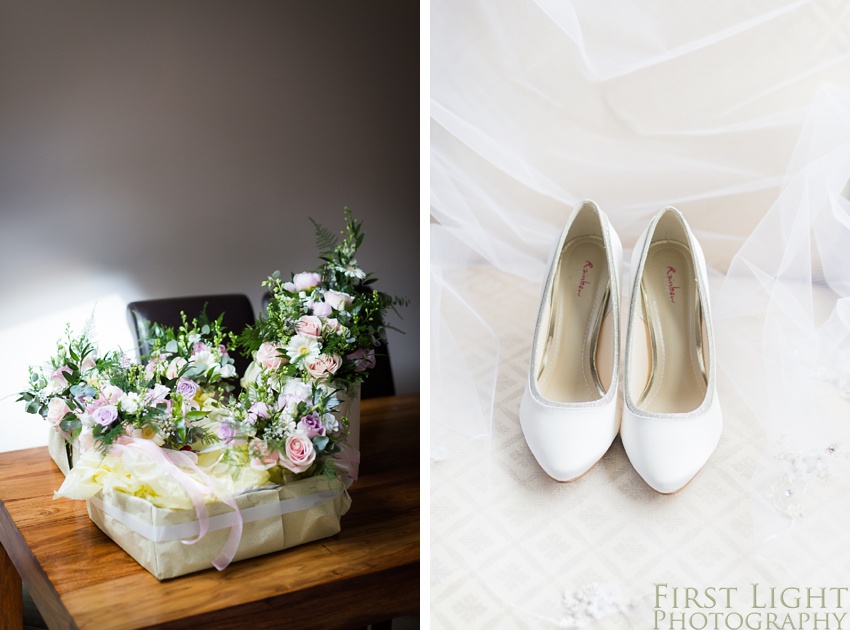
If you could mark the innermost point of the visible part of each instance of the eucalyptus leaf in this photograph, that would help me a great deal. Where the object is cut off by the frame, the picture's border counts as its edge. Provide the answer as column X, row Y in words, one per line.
column 320, row 442
column 70, row 423
column 171, row 346
column 81, row 390
column 193, row 371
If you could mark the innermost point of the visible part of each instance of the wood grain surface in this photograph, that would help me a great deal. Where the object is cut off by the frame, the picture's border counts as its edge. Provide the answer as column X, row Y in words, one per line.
column 368, row 572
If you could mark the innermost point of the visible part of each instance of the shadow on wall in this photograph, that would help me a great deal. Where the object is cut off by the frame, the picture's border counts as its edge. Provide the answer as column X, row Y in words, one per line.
column 159, row 149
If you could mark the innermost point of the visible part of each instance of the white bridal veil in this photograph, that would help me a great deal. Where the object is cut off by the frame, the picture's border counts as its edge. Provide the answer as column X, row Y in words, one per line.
column 737, row 113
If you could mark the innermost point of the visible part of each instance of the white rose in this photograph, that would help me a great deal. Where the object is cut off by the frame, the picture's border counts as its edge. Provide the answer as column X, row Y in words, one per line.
column 228, row 371
column 252, row 373
column 299, row 389
column 129, row 402
column 203, row 360
column 330, row 423
column 174, row 367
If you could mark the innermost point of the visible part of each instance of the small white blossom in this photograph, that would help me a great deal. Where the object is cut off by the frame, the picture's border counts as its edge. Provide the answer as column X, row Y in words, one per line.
column 129, row 402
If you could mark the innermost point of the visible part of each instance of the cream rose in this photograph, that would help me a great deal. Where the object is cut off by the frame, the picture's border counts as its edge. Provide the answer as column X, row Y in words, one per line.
column 324, row 366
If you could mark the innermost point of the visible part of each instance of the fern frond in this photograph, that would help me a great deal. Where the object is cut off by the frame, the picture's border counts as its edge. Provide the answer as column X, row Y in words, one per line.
column 326, row 241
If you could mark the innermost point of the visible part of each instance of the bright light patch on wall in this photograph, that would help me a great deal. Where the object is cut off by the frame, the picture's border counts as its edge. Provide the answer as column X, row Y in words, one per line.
column 33, row 342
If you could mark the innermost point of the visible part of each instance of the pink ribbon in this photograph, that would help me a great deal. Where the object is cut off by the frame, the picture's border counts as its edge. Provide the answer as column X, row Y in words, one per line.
column 171, row 461
column 349, row 460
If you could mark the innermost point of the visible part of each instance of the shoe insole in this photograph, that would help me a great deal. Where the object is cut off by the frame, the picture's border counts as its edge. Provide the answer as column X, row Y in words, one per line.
column 677, row 382
column 576, row 366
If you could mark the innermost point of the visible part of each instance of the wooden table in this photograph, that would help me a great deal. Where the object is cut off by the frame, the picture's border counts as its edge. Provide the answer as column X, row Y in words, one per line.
column 79, row 578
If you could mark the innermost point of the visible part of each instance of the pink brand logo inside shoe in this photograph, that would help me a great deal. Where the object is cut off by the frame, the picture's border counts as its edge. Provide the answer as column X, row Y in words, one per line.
column 583, row 282
column 671, row 289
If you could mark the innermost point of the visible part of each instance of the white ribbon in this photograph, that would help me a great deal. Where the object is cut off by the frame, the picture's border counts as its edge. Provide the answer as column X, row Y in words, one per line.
column 191, row 529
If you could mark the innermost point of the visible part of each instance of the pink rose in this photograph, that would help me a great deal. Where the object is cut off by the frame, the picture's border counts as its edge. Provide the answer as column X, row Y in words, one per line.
column 306, row 280
column 309, row 325
column 258, row 410
column 363, row 359
column 261, row 457
column 112, row 393
column 299, row 453
column 268, row 356
column 332, row 323
column 324, row 366
column 58, row 378
column 88, row 363
column 56, row 410
column 321, row 309
column 157, row 394
column 338, row 300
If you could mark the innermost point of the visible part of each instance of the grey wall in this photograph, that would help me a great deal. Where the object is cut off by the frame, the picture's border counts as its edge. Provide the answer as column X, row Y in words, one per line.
column 178, row 147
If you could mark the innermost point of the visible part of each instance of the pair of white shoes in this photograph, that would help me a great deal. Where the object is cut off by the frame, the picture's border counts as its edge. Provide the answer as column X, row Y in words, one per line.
column 671, row 418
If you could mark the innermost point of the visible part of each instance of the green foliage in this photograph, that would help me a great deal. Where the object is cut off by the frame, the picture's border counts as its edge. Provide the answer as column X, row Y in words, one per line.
column 326, row 241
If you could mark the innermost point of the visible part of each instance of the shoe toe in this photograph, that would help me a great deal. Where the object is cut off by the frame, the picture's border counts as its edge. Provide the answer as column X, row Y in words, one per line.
column 567, row 442
column 668, row 453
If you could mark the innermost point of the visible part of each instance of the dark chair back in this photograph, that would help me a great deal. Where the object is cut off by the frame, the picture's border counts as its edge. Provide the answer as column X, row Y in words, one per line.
column 237, row 309
column 380, row 380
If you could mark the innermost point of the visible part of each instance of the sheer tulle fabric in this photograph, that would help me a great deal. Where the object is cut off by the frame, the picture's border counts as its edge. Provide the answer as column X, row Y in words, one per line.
column 738, row 114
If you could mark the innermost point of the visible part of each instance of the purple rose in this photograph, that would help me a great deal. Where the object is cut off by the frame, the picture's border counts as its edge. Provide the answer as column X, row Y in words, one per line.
column 312, row 425
column 187, row 388
column 96, row 404
column 105, row 415
column 226, row 432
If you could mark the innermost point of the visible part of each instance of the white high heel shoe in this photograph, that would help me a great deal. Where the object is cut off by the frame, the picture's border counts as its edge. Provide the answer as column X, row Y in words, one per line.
column 671, row 417
column 569, row 409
